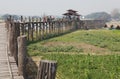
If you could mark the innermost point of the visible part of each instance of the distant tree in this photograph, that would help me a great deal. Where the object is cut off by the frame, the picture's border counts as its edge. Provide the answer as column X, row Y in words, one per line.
column 5, row 16
column 99, row 16
column 115, row 14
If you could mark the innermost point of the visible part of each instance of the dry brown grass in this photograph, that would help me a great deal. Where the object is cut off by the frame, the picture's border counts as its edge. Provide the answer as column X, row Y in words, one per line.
column 87, row 48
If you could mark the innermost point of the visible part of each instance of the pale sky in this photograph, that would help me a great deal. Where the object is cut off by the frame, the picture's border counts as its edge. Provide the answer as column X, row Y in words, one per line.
column 56, row 7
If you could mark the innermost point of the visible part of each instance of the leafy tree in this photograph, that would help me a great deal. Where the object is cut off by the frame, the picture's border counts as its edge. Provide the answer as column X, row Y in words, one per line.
column 115, row 14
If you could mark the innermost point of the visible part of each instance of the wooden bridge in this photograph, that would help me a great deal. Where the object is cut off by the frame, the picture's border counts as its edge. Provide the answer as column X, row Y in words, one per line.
column 16, row 33
column 8, row 67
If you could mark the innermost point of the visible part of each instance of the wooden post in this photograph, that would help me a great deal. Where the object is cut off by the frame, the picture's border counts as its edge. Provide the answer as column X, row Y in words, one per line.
column 25, row 30
column 54, row 28
column 31, row 28
column 36, row 30
column 22, row 50
column 22, row 28
column 40, row 32
column 16, row 34
column 12, row 38
column 28, row 31
column 43, row 31
column 62, row 27
column 13, row 33
column 49, row 28
column 21, row 18
column 10, row 35
column 46, row 29
column 47, row 69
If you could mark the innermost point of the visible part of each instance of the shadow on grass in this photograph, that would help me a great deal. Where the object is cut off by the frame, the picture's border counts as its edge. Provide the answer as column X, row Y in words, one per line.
column 31, row 68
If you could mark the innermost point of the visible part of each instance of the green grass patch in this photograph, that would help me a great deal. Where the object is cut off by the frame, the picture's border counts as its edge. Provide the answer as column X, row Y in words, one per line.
column 85, row 66
column 68, row 50
column 109, row 39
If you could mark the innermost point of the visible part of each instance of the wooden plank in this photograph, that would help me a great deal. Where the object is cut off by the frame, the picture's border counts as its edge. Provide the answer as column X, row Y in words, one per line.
column 4, row 67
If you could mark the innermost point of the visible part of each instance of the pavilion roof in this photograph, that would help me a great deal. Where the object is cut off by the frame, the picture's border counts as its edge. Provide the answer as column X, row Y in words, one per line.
column 71, row 10
column 67, row 14
column 76, row 14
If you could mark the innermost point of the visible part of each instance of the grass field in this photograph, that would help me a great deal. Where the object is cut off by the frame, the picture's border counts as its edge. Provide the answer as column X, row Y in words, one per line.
column 92, row 54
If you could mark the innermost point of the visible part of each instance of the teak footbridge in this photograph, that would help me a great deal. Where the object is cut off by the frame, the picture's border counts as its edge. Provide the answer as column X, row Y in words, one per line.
column 8, row 67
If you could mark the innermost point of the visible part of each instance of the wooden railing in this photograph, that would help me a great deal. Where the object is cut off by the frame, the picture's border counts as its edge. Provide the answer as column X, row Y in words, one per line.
column 34, row 30
column 37, row 30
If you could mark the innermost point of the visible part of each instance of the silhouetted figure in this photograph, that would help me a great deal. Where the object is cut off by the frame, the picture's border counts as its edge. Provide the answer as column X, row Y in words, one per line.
column 105, row 26
column 111, row 27
column 118, row 27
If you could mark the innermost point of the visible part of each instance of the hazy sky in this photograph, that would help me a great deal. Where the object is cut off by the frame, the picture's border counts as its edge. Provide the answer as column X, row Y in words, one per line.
column 56, row 7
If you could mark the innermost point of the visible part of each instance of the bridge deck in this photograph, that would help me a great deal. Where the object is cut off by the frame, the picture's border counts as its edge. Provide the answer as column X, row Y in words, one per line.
column 8, row 67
